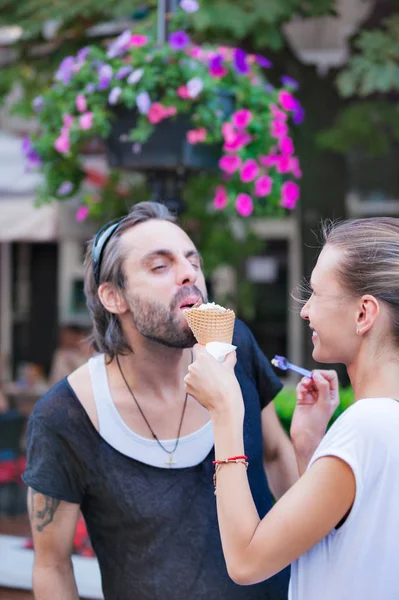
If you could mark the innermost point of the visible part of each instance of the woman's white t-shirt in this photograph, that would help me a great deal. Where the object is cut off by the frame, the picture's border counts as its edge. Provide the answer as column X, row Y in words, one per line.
column 359, row 561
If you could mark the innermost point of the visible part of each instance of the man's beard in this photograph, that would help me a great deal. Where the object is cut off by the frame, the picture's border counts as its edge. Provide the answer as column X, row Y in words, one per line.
column 159, row 324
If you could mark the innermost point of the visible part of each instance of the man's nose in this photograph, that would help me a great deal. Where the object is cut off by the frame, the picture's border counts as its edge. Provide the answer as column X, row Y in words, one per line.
column 186, row 273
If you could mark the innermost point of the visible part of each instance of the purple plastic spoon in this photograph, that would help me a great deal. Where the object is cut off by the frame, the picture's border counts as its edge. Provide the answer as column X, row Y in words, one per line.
column 282, row 363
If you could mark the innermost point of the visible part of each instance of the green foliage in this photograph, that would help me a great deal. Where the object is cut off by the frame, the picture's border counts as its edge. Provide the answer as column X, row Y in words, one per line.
column 285, row 405
column 371, row 127
column 218, row 19
column 262, row 20
column 374, row 68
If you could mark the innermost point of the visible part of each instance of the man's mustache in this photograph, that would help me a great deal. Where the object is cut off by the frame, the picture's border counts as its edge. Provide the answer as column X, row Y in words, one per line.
column 186, row 293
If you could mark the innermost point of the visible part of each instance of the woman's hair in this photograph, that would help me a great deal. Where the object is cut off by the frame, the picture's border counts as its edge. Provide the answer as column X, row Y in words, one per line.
column 370, row 262
column 107, row 335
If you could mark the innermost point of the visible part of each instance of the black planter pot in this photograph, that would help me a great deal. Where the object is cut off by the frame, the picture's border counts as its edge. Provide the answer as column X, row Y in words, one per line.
column 167, row 149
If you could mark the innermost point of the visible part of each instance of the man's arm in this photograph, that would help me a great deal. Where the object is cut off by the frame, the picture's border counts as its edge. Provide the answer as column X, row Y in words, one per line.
column 278, row 452
column 53, row 524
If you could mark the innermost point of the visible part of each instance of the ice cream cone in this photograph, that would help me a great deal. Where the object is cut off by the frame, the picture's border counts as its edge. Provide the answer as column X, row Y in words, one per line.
column 211, row 324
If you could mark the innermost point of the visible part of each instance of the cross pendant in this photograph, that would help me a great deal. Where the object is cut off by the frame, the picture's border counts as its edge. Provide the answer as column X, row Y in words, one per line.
column 170, row 460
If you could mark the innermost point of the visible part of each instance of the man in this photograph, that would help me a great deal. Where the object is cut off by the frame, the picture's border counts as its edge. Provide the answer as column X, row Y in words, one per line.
column 121, row 441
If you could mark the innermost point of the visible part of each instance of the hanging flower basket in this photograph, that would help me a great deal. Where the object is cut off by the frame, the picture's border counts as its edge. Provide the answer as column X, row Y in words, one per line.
column 170, row 107
column 167, row 148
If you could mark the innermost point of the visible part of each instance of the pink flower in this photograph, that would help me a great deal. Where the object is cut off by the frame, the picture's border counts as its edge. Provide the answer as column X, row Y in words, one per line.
column 286, row 145
column 137, row 40
column 249, row 170
column 156, row 113
column 263, row 186
column 221, row 199
column 182, row 92
column 277, row 113
column 196, row 136
column 228, row 132
column 237, row 141
column 289, row 194
column 229, row 163
column 269, row 161
column 86, row 121
column 81, row 214
column 278, row 129
column 67, row 120
column 242, row 118
column 62, row 144
column 81, row 103
column 226, row 52
column 295, row 167
column 195, row 52
column 283, row 163
column 287, row 100
column 170, row 111
column 244, row 205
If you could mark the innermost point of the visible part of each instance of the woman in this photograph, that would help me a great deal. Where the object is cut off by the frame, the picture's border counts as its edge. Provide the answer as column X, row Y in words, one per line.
column 339, row 523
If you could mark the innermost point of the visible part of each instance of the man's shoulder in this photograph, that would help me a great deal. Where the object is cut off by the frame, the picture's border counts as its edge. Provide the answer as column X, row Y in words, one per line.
column 242, row 334
column 58, row 403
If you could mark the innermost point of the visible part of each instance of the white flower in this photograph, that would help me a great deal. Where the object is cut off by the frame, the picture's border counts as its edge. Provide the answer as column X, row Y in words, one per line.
column 143, row 102
column 135, row 76
column 189, row 6
column 195, row 87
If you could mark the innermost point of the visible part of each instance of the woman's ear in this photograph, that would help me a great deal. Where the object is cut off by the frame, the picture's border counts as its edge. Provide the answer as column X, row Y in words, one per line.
column 112, row 299
column 368, row 312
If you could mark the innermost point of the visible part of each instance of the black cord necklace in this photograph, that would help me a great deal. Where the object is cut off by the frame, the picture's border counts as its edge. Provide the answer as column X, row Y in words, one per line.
column 170, row 461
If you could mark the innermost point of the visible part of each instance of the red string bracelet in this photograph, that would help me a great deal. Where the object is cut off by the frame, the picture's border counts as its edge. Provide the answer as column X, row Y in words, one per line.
column 230, row 459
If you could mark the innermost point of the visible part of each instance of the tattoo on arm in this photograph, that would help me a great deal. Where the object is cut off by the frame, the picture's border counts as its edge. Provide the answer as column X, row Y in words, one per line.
column 41, row 510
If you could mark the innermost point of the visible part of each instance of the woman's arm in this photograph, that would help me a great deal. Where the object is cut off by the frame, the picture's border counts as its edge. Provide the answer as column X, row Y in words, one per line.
column 256, row 549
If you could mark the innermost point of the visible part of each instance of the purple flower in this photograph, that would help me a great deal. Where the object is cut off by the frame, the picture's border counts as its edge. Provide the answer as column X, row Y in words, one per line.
column 118, row 47
column 216, row 67
column 136, row 148
column 83, row 54
column 38, row 103
column 105, row 76
column 90, row 87
column 269, row 88
column 114, row 95
column 298, row 114
column 30, row 153
column 143, row 102
column 263, row 61
column 190, row 6
column 135, row 76
column 179, row 40
column 65, row 70
column 240, row 62
column 65, row 188
column 289, row 82
column 123, row 71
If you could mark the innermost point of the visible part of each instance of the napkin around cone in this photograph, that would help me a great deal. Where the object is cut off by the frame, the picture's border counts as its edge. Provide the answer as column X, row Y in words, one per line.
column 211, row 325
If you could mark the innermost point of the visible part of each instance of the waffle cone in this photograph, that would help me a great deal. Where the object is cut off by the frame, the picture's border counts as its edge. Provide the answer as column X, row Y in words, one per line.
column 211, row 325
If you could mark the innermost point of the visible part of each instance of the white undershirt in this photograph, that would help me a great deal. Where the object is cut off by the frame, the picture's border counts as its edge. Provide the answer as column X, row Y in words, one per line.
column 191, row 450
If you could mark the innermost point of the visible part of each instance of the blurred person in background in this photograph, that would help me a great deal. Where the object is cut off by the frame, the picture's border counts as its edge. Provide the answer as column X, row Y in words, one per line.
column 71, row 353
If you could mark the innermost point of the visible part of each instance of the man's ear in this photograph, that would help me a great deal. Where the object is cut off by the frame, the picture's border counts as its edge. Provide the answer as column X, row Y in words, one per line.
column 112, row 299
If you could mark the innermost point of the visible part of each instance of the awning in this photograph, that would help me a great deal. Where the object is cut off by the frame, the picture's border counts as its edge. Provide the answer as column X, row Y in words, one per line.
column 20, row 220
